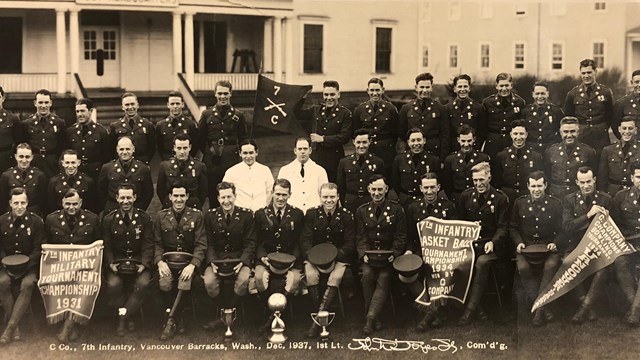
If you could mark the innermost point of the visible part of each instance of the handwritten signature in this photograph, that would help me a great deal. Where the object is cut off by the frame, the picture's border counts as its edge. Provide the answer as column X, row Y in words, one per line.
column 377, row 344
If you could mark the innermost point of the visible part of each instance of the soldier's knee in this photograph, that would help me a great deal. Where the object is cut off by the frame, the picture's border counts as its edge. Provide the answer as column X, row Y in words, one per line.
column 165, row 283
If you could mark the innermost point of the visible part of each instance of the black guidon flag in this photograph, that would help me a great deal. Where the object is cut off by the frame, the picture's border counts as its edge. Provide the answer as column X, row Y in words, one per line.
column 275, row 103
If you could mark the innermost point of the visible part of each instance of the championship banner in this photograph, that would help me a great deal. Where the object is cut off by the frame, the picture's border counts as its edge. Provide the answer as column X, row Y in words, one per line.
column 600, row 246
column 275, row 103
column 70, row 279
column 447, row 249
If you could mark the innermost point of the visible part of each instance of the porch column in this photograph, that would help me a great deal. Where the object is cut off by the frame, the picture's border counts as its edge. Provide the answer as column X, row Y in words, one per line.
column 177, row 48
column 201, row 47
column 61, row 51
column 74, row 44
column 267, row 47
column 189, row 64
column 288, row 50
column 277, row 48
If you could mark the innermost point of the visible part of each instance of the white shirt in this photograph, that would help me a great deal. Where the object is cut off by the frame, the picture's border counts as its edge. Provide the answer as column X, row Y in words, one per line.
column 304, row 191
column 253, row 183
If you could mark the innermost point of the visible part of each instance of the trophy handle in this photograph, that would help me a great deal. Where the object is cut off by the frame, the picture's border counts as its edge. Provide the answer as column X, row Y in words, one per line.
column 235, row 314
column 313, row 317
column 331, row 317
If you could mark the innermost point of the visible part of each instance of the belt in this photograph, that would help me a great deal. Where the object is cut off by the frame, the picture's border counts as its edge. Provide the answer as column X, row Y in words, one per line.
column 226, row 141
column 500, row 132
column 414, row 193
column 625, row 182
column 359, row 193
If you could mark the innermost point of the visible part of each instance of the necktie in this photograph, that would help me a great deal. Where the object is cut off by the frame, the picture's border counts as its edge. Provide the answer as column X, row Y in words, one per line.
column 178, row 216
column 375, row 108
column 589, row 91
column 228, row 219
column 519, row 153
column 72, row 180
column 84, row 130
column 127, row 219
column 43, row 122
column 17, row 222
column 361, row 161
column 423, row 105
column 125, row 167
column 279, row 216
column 72, row 222
column 302, row 170
column 625, row 149
column 24, row 175
column 378, row 211
column 416, row 159
column 329, row 216
column 131, row 123
column 481, row 200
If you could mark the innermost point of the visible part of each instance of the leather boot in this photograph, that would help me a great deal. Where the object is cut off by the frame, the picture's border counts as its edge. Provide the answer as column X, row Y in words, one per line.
column 466, row 317
column 314, row 295
column 122, row 324
column 16, row 334
column 368, row 326
column 7, row 335
column 538, row 317
column 65, row 334
column 428, row 317
column 581, row 315
column 169, row 330
column 633, row 316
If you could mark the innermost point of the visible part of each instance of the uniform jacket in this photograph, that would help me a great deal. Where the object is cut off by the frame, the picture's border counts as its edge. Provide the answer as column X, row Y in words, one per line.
column 221, row 126
column 86, row 230
column 339, row 231
column 10, row 130
column 353, row 175
column 143, row 135
column 333, row 123
column 168, row 128
column 188, row 235
column 543, row 124
column 383, row 123
column 133, row 240
column 492, row 215
column 466, row 112
column 92, row 143
column 86, row 187
column 432, row 121
column 512, row 170
column 593, row 109
column 457, row 170
column 562, row 163
column 615, row 163
column 535, row 221
column 628, row 105
column 112, row 175
column 283, row 237
column 406, row 172
column 574, row 213
column 34, row 183
column 193, row 176
column 625, row 211
column 386, row 232
column 419, row 210
column 501, row 111
column 47, row 140
column 237, row 239
column 25, row 239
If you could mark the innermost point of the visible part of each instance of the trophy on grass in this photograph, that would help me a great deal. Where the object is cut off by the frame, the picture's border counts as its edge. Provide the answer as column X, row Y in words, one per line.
column 228, row 316
column 277, row 302
column 323, row 318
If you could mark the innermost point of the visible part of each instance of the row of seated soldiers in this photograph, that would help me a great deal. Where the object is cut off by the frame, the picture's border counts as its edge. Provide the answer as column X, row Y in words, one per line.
column 277, row 242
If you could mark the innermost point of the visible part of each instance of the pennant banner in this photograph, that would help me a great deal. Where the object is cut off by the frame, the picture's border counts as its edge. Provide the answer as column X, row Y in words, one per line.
column 70, row 280
column 275, row 103
column 447, row 250
column 600, row 246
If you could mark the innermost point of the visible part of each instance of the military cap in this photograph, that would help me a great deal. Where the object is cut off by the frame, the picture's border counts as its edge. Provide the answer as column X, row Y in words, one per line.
column 323, row 256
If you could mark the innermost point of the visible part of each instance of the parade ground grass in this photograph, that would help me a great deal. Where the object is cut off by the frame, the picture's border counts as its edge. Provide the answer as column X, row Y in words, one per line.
column 507, row 335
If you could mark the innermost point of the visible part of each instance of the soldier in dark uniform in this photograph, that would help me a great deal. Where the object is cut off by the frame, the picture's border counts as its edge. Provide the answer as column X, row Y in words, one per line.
column 616, row 158
column 463, row 110
column 500, row 109
column 176, row 123
column 456, row 173
column 512, row 166
column 355, row 170
column 592, row 104
column 44, row 131
column 89, row 139
column 380, row 117
column 231, row 234
column 489, row 206
column 327, row 223
column 628, row 105
column 140, row 130
column 179, row 228
column 408, row 168
column 536, row 219
column 380, row 225
column 183, row 170
column 69, row 178
column 21, row 233
column 279, row 226
column 330, row 125
column 71, row 225
column 128, row 234
column 432, row 203
column 542, row 119
column 625, row 211
column 427, row 115
column 221, row 128
column 579, row 208
column 125, row 170
column 25, row 176
column 563, row 159
column 10, row 132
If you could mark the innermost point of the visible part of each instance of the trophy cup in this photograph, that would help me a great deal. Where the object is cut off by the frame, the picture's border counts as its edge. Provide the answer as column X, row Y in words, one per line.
column 228, row 316
column 277, row 302
column 324, row 319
